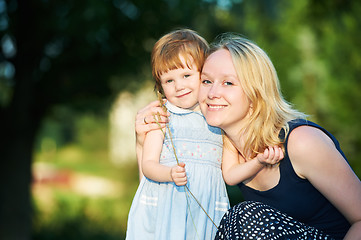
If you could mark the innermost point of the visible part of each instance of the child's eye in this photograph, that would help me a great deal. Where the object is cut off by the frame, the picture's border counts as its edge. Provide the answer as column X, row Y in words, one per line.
column 228, row 83
column 187, row 76
column 169, row 81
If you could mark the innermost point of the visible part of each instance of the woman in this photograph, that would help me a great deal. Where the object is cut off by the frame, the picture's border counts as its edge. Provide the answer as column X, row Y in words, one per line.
column 313, row 193
column 313, row 183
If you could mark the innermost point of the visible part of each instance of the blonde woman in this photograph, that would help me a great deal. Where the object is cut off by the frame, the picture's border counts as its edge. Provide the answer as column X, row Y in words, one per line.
column 312, row 193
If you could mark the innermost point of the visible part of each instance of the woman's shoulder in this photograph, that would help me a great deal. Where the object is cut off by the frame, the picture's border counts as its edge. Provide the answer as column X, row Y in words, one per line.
column 305, row 147
column 304, row 135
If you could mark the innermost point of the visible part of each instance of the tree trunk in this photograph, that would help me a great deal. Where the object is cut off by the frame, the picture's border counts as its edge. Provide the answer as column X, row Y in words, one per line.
column 15, row 210
column 19, row 122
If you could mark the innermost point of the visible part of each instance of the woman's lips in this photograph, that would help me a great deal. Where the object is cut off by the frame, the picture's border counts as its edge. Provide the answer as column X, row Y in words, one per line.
column 215, row 106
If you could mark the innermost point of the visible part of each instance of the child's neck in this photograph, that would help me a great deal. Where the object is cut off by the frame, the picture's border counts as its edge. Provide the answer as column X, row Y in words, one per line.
column 195, row 108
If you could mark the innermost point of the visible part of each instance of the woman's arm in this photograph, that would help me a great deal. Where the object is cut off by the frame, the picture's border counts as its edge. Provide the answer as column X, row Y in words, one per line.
column 236, row 169
column 315, row 157
column 144, row 123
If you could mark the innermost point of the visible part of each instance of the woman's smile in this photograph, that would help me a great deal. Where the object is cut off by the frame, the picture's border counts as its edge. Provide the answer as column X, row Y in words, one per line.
column 215, row 107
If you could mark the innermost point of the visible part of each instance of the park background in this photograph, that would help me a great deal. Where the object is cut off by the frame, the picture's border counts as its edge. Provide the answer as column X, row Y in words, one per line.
column 74, row 73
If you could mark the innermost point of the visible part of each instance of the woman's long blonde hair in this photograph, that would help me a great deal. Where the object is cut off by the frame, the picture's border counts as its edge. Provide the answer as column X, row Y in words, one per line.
column 269, row 111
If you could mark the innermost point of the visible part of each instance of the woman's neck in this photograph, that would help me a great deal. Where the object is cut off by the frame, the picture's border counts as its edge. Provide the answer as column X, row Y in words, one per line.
column 236, row 137
column 236, row 134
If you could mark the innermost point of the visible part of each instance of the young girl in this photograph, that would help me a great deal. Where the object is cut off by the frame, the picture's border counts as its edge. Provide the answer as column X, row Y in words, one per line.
column 163, row 208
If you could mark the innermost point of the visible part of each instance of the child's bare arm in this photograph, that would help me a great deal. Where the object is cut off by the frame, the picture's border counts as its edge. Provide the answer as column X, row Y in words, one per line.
column 151, row 167
column 235, row 168
column 144, row 123
column 270, row 156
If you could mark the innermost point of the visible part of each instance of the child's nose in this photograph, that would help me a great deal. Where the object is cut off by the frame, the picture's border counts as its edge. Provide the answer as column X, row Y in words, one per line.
column 179, row 85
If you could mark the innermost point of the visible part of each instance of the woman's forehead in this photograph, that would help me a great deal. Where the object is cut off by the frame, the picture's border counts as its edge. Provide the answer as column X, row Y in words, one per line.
column 218, row 60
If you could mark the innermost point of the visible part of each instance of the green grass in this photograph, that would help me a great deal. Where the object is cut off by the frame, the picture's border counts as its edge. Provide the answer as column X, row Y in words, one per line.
column 60, row 212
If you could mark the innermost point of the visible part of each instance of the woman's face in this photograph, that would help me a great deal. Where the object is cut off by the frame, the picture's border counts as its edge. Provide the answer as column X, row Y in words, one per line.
column 221, row 97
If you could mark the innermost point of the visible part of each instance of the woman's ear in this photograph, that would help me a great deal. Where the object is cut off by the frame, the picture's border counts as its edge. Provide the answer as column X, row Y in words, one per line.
column 250, row 110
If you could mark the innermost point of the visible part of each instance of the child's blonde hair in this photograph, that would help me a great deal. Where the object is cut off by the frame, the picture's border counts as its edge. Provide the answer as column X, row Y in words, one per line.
column 269, row 111
column 168, row 49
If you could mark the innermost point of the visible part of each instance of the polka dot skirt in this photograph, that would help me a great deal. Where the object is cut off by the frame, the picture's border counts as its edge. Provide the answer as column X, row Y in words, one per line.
column 255, row 220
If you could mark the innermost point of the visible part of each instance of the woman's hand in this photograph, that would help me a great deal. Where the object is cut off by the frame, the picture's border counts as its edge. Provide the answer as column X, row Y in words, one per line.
column 145, row 122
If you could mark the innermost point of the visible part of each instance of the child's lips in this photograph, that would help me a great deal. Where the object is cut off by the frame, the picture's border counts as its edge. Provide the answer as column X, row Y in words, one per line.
column 184, row 94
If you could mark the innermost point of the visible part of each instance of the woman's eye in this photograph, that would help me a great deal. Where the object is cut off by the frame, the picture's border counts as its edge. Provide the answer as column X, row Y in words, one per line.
column 187, row 76
column 205, row 81
column 228, row 83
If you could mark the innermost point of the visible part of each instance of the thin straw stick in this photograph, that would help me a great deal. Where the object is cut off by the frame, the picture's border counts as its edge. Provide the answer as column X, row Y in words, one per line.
column 175, row 153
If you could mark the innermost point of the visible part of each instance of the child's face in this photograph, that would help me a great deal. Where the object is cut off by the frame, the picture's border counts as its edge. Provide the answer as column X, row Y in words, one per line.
column 181, row 86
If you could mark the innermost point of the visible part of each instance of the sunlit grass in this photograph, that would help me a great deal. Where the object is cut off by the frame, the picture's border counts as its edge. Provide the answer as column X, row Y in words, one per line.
column 81, row 195
column 76, row 217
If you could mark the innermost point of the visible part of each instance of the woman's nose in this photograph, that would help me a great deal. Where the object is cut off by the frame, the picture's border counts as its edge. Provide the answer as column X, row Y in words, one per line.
column 214, row 92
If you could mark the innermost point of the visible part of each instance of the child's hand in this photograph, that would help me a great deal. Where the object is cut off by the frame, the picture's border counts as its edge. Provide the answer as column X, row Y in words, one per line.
column 271, row 155
column 178, row 174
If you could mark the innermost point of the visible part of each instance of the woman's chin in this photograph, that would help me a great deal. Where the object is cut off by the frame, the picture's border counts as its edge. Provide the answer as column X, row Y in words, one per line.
column 213, row 122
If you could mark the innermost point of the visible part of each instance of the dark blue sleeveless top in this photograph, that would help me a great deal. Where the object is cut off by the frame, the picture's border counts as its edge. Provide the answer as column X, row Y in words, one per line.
column 297, row 197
